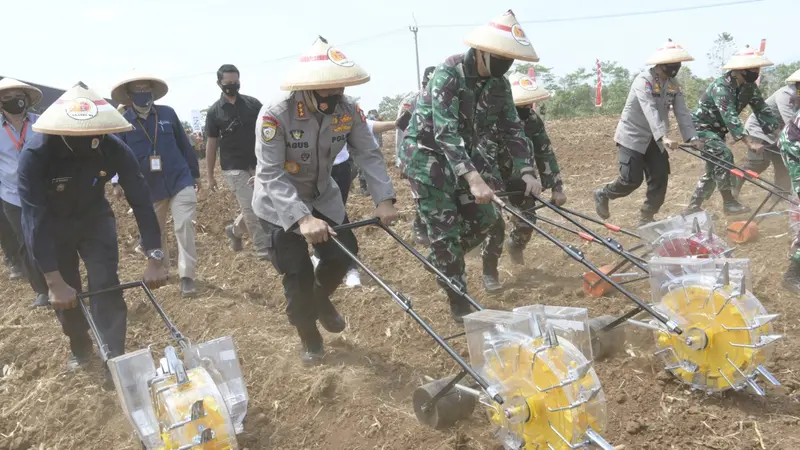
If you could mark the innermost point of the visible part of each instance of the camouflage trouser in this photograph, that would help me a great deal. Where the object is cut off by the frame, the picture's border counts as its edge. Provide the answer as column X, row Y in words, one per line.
column 455, row 226
column 519, row 237
column 790, row 151
column 716, row 175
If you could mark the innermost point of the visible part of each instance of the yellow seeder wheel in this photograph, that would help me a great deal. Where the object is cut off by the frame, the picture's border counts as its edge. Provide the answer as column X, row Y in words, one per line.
column 176, row 404
column 552, row 394
column 726, row 334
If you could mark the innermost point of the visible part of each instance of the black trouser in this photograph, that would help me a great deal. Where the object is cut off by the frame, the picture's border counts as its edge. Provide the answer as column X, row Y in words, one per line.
column 307, row 290
column 634, row 168
column 14, row 215
column 94, row 240
column 8, row 241
column 342, row 174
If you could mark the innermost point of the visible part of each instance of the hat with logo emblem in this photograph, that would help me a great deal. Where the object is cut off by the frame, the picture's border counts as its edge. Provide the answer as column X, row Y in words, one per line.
column 81, row 112
column 324, row 67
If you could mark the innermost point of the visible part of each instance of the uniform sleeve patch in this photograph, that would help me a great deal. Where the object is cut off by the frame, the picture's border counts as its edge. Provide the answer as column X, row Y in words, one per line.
column 269, row 128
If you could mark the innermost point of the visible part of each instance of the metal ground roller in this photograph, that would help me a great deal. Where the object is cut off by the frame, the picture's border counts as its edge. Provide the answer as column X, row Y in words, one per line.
column 727, row 332
column 679, row 236
column 537, row 386
column 195, row 398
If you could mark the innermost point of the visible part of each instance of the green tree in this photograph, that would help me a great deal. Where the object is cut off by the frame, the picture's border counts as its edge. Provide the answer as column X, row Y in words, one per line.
column 721, row 50
column 692, row 86
column 389, row 106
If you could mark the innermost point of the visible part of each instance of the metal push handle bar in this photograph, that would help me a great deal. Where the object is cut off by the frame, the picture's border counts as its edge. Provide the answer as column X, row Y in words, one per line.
column 121, row 287
column 742, row 174
column 733, row 166
column 610, row 226
column 577, row 256
column 405, row 303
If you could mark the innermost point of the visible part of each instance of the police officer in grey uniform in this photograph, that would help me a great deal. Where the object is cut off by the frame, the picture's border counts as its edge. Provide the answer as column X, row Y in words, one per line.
column 784, row 104
column 294, row 195
column 641, row 134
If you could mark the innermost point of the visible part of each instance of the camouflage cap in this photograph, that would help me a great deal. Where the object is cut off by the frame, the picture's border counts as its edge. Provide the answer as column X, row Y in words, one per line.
column 504, row 37
column 525, row 90
column 10, row 84
column 747, row 58
column 324, row 67
column 670, row 53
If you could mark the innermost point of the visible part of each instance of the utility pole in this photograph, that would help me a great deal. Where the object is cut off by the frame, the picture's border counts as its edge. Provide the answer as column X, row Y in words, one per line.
column 414, row 29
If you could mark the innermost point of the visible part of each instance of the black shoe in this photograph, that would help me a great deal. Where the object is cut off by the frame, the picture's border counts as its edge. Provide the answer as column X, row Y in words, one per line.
column 311, row 340
column 41, row 301
column 188, row 287
column 731, row 206
column 645, row 218
column 791, row 279
column 332, row 321
column 15, row 272
column 236, row 242
column 601, row 204
column 491, row 277
column 459, row 308
column 515, row 253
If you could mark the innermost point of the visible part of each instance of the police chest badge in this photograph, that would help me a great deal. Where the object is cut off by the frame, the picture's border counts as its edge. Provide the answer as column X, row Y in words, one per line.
column 297, row 134
column 269, row 127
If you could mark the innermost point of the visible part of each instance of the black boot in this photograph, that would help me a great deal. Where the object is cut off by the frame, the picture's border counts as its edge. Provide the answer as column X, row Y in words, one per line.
column 601, row 203
column 515, row 252
column 459, row 306
column 736, row 187
column 329, row 317
column 645, row 218
column 491, row 277
column 82, row 351
column 731, row 206
column 791, row 279
column 311, row 340
column 696, row 203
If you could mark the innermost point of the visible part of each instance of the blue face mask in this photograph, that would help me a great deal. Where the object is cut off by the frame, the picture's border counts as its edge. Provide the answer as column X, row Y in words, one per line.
column 142, row 99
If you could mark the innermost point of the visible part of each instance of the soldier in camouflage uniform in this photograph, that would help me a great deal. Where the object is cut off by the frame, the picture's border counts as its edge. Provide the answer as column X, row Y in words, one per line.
column 451, row 151
column 790, row 151
column 404, row 113
column 642, row 134
column 526, row 92
column 717, row 114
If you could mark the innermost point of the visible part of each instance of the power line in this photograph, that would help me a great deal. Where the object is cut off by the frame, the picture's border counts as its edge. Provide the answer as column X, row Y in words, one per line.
column 553, row 20
column 608, row 16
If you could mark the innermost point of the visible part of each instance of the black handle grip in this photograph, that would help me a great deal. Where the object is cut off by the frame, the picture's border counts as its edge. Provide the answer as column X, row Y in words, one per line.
column 356, row 224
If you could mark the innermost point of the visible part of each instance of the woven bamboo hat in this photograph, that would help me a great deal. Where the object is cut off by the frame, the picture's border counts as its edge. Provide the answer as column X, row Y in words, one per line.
column 323, row 66
column 9, row 84
column 119, row 93
column 668, row 54
column 747, row 58
column 794, row 78
column 526, row 90
column 504, row 37
column 81, row 112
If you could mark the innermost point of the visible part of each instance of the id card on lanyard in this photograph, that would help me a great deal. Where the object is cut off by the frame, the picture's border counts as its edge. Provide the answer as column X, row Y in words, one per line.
column 18, row 143
column 155, row 158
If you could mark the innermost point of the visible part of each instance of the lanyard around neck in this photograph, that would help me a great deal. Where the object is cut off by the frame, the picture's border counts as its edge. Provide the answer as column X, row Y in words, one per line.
column 21, row 141
column 153, row 140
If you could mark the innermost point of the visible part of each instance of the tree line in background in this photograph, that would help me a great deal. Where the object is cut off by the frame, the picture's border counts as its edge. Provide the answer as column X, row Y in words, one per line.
column 573, row 95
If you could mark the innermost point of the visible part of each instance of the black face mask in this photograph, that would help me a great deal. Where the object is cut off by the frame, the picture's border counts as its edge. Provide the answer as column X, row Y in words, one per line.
column 497, row 66
column 524, row 112
column 231, row 89
column 750, row 76
column 15, row 106
column 672, row 69
column 326, row 105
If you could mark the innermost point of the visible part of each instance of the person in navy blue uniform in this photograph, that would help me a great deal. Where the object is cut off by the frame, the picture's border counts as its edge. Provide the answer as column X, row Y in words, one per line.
column 169, row 164
column 66, row 217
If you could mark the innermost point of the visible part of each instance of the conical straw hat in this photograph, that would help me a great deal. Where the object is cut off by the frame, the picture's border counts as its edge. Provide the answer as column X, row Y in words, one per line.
column 81, row 112
column 794, row 78
column 324, row 67
column 7, row 84
column 503, row 36
column 525, row 90
column 668, row 54
column 747, row 58
column 119, row 93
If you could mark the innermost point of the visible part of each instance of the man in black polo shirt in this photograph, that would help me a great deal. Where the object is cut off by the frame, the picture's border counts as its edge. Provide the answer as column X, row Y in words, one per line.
column 230, row 123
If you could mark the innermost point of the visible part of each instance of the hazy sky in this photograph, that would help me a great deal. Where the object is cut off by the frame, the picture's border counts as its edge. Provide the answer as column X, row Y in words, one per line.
column 185, row 41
